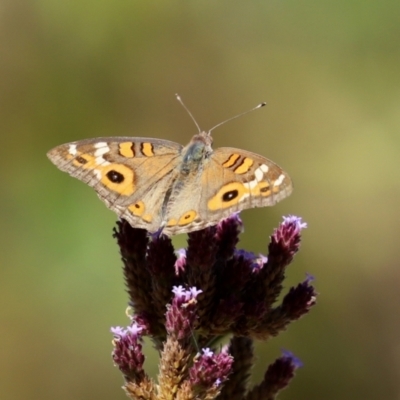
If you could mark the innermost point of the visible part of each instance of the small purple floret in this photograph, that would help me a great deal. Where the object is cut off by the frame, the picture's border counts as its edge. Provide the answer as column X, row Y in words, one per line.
column 195, row 292
column 255, row 262
column 288, row 355
column 292, row 219
column 135, row 329
column 207, row 352
column 179, row 291
column 183, row 295
column 180, row 262
column 181, row 313
column 118, row 331
column 211, row 369
column 309, row 277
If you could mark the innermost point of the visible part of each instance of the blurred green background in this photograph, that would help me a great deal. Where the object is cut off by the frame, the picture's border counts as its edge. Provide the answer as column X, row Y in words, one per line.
column 330, row 74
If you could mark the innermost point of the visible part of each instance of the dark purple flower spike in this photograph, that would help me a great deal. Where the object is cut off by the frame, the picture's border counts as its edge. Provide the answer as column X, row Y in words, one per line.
column 276, row 378
column 186, row 300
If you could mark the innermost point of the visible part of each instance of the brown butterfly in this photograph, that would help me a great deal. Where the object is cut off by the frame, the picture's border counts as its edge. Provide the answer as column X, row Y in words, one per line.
column 158, row 185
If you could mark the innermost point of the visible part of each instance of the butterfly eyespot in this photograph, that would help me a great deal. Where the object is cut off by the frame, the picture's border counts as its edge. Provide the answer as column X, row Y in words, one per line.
column 228, row 196
column 85, row 161
column 115, row 177
column 187, row 218
column 265, row 192
column 264, row 189
column 137, row 208
column 81, row 160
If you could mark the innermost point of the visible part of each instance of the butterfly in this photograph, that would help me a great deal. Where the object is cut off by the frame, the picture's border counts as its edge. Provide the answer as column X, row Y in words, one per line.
column 159, row 185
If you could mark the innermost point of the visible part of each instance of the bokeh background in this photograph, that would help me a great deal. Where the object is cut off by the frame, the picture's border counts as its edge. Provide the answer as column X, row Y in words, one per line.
column 330, row 74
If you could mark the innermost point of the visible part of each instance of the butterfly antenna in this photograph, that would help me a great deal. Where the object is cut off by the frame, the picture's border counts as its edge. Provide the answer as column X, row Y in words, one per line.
column 237, row 116
column 187, row 110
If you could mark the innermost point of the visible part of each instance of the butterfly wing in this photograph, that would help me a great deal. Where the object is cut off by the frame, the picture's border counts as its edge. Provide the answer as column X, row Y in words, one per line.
column 246, row 180
column 231, row 180
column 130, row 175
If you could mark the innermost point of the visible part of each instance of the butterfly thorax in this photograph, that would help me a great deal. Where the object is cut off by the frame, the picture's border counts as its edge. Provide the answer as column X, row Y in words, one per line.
column 194, row 159
column 195, row 153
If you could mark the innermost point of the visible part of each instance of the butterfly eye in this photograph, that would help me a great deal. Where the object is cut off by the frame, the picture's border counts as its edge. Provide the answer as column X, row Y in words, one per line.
column 228, row 196
column 115, row 177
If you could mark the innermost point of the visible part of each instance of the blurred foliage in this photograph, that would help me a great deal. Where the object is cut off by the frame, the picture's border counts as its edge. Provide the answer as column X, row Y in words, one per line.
column 329, row 72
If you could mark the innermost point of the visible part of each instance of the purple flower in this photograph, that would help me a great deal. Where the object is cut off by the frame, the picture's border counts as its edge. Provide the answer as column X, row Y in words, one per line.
column 286, row 239
column 190, row 298
column 181, row 314
column 210, row 369
column 127, row 353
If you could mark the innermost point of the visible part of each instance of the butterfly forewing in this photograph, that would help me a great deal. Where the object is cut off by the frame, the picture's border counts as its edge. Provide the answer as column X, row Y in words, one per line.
column 127, row 173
